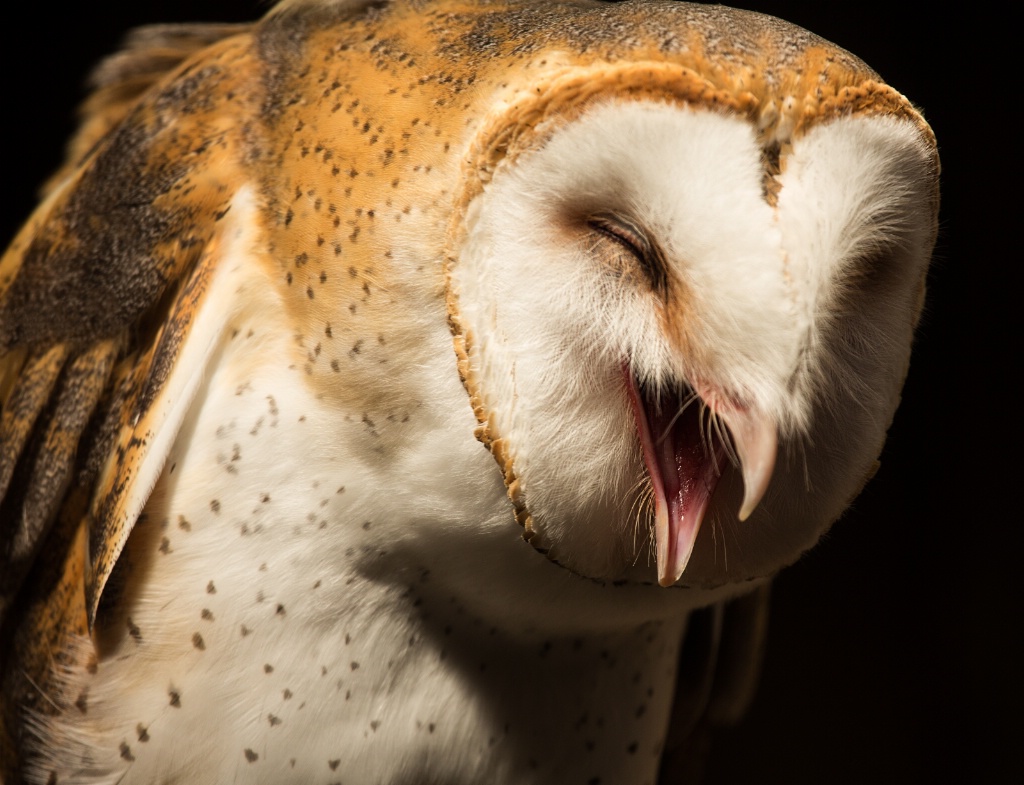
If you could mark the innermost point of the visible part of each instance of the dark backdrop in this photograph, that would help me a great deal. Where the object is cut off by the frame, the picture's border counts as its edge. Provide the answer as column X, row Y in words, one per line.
column 892, row 645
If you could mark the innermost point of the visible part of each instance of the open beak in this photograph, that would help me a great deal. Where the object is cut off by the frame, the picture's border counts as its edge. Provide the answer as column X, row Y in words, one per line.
column 685, row 457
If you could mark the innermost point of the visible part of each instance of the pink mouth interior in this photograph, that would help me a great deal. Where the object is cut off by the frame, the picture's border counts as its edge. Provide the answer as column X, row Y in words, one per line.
column 684, row 461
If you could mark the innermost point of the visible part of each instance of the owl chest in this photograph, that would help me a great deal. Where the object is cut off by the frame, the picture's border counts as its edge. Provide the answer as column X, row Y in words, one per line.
column 302, row 603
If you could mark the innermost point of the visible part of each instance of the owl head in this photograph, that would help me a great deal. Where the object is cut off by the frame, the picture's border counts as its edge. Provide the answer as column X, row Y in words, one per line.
column 683, row 277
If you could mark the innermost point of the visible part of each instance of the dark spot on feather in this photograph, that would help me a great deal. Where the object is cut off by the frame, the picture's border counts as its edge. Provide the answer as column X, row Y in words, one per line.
column 268, row 668
column 197, row 641
column 175, row 698
column 334, row 764
column 126, row 752
column 251, row 756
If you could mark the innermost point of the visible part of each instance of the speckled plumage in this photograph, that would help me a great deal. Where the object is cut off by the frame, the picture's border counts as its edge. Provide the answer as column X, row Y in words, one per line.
column 255, row 335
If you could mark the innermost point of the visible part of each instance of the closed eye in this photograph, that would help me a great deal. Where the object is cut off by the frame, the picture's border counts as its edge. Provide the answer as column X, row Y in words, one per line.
column 873, row 271
column 870, row 276
column 637, row 244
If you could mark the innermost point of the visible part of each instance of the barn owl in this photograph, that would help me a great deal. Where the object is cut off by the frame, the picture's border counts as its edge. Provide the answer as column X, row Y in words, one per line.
column 417, row 392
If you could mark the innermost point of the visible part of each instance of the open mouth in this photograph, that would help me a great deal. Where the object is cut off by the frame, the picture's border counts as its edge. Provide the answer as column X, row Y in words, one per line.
column 685, row 452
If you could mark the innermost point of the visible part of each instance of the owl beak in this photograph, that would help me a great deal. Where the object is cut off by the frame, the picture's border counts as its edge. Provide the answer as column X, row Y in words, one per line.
column 756, row 443
column 685, row 459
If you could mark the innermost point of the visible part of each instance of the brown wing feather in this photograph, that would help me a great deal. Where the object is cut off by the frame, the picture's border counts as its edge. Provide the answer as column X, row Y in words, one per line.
column 147, row 55
column 31, row 381
column 69, row 391
column 97, row 293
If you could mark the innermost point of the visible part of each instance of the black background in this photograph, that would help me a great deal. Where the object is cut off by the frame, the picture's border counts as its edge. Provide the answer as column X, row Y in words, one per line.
column 894, row 652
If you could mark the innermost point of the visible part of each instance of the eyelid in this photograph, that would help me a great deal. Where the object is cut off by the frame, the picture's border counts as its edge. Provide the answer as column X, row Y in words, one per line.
column 637, row 242
column 621, row 232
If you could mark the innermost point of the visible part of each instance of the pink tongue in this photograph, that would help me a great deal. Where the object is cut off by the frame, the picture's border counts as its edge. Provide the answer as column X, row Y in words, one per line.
column 683, row 471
